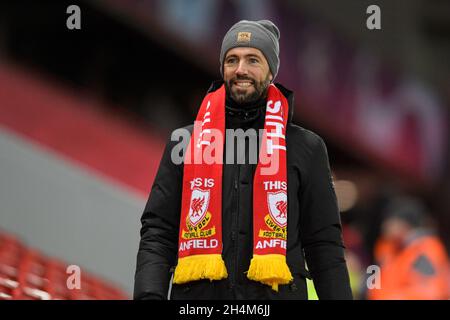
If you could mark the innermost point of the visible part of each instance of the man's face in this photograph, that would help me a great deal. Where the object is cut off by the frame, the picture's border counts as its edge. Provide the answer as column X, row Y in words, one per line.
column 246, row 74
column 395, row 229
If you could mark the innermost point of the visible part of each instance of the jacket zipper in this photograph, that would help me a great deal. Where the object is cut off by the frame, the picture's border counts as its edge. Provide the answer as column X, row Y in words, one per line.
column 235, row 228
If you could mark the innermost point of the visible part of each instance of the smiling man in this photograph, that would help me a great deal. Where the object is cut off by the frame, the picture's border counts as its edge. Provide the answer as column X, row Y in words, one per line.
column 246, row 74
column 231, row 230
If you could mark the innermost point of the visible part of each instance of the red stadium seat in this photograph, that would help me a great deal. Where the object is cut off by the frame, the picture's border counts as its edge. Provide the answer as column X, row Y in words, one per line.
column 26, row 274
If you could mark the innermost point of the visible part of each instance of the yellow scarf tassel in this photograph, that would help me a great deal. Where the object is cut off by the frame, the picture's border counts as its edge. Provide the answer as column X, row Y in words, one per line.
column 270, row 269
column 201, row 266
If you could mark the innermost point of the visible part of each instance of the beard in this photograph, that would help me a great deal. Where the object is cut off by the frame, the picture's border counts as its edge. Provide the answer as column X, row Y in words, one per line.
column 246, row 96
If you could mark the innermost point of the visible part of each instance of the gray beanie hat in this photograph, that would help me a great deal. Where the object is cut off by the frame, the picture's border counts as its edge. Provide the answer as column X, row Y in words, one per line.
column 262, row 35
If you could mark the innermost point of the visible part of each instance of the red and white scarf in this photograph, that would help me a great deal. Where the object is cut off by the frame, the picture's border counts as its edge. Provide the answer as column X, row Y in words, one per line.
column 200, row 238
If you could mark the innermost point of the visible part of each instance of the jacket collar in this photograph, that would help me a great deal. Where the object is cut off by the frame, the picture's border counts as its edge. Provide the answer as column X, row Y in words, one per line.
column 288, row 94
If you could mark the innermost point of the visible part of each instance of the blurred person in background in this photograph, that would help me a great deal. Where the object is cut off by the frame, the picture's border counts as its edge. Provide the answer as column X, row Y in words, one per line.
column 413, row 261
column 223, row 230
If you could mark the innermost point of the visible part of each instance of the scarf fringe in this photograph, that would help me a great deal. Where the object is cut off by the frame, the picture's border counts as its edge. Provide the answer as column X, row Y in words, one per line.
column 197, row 267
column 270, row 269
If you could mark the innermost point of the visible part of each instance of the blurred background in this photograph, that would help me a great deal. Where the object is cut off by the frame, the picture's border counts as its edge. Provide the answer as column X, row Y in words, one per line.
column 85, row 114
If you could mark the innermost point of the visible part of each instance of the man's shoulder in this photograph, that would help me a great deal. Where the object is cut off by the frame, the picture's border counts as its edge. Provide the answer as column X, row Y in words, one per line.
column 181, row 132
column 300, row 135
column 186, row 127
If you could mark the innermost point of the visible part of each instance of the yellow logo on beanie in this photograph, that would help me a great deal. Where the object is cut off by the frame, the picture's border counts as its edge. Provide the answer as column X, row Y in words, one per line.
column 244, row 36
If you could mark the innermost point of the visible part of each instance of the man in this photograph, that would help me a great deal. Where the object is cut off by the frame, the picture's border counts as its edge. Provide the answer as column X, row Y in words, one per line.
column 413, row 260
column 242, row 229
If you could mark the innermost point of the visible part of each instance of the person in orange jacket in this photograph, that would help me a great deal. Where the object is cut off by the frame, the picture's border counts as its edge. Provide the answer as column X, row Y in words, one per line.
column 413, row 261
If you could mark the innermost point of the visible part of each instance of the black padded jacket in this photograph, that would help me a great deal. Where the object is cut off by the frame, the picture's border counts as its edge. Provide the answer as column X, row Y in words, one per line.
column 314, row 227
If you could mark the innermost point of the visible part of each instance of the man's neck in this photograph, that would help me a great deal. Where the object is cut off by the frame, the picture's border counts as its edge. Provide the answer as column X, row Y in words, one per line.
column 230, row 102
